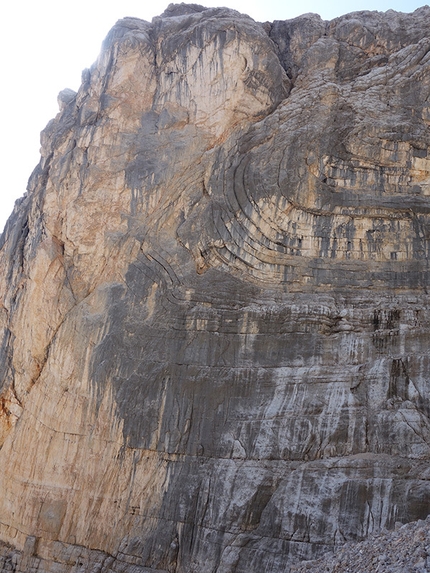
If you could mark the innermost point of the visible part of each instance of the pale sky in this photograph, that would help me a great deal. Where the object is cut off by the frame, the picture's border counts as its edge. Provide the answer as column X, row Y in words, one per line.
column 45, row 45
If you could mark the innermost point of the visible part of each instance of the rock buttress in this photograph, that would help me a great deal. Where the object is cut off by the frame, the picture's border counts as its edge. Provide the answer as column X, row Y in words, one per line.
column 214, row 309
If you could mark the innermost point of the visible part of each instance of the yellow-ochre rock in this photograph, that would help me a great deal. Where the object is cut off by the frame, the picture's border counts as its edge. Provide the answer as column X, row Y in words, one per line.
column 214, row 317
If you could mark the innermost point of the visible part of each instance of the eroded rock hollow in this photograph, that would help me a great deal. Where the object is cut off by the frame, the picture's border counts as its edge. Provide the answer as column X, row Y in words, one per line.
column 214, row 314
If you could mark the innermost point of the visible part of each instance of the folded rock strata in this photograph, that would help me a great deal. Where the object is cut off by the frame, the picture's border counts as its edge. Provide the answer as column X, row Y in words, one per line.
column 214, row 315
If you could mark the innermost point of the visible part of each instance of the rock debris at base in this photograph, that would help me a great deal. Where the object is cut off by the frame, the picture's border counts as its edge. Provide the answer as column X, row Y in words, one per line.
column 405, row 550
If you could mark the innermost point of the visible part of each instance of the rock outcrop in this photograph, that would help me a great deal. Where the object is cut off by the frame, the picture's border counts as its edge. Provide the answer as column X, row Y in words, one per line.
column 214, row 314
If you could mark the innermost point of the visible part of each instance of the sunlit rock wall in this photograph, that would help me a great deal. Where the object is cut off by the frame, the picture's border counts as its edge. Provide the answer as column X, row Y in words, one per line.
column 214, row 314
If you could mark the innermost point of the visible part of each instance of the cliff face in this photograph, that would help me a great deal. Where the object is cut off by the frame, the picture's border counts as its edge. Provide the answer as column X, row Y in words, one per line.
column 214, row 314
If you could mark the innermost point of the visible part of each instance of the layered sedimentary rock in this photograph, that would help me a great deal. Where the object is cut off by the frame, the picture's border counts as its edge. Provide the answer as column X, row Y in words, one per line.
column 214, row 311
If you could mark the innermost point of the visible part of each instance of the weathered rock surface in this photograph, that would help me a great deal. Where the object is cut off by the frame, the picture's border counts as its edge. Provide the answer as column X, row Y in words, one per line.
column 214, row 313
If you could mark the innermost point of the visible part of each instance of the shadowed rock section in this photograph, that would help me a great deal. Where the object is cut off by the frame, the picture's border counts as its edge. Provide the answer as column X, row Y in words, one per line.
column 214, row 322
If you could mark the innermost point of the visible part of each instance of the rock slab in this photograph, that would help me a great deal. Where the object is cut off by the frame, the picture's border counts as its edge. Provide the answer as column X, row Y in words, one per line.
column 214, row 316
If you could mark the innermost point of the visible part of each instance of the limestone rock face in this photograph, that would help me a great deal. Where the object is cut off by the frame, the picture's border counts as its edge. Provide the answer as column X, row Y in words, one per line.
column 214, row 317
